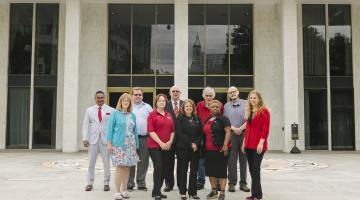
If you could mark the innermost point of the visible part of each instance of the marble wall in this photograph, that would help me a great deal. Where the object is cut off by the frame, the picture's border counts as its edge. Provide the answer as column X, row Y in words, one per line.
column 268, row 66
column 93, row 57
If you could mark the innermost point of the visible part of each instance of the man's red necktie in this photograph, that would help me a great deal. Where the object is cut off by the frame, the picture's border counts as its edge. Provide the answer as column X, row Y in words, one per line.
column 99, row 114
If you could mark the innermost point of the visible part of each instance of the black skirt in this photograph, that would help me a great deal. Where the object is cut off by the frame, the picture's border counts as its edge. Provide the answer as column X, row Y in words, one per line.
column 216, row 164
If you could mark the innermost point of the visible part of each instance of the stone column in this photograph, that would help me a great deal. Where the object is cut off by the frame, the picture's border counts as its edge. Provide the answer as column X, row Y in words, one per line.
column 355, row 11
column 181, row 46
column 4, row 55
column 288, row 9
column 268, row 66
column 71, row 75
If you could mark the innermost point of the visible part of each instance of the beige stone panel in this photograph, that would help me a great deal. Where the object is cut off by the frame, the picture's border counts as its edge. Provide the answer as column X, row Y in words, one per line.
column 267, row 67
column 93, row 57
column 4, row 52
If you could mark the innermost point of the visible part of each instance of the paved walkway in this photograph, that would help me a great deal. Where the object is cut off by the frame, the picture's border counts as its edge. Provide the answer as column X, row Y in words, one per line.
column 43, row 175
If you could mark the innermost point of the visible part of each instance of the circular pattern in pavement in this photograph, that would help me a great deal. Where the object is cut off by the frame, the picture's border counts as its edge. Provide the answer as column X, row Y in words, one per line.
column 268, row 165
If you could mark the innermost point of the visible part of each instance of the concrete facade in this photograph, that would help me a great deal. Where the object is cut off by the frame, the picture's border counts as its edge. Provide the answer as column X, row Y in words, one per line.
column 4, row 46
column 82, row 63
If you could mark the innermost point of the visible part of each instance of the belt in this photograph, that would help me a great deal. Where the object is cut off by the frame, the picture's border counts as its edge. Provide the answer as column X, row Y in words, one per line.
column 142, row 136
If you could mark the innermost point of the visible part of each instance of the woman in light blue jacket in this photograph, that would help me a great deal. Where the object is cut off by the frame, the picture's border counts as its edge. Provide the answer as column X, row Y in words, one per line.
column 122, row 143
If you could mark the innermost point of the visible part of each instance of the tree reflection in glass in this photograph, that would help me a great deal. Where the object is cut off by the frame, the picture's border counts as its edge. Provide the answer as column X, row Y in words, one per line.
column 340, row 45
column 241, row 41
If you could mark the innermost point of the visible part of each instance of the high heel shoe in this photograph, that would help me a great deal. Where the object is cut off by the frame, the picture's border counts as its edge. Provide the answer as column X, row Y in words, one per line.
column 194, row 197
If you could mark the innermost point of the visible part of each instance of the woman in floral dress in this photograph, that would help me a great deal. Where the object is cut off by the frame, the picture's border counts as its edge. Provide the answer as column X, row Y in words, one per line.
column 122, row 143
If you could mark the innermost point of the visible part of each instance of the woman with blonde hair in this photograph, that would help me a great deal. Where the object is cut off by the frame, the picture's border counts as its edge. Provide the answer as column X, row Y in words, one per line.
column 255, row 139
column 122, row 143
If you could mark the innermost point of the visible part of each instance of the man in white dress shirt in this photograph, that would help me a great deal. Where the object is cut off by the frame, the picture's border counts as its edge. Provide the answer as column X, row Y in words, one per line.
column 94, row 137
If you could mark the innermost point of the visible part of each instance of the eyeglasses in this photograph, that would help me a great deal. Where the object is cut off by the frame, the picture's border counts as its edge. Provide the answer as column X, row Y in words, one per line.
column 138, row 95
column 232, row 92
column 174, row 91
column 209, row 95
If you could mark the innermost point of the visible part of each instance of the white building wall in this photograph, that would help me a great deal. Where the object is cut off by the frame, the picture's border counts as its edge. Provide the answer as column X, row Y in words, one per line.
column 71, row 75
column 290, row 68
column 4, row 50
column 93, row 57
column 60, row 78
column 267, row 67
column 181, row 46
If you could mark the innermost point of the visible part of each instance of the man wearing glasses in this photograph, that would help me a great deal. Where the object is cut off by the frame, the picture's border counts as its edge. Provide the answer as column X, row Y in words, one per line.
column 141, row 111
column 234, row 109
column 173, row 107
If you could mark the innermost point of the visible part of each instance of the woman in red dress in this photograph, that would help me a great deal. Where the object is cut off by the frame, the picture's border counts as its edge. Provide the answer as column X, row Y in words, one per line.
column 255, row 140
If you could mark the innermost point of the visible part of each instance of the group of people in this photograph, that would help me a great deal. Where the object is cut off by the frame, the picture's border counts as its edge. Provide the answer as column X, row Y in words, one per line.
column 209, row 138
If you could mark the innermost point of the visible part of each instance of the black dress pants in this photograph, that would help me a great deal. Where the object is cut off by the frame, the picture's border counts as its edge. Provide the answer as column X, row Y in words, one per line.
column 254, row 160
column 160, row 161
column 184, row 157
column 169, row 178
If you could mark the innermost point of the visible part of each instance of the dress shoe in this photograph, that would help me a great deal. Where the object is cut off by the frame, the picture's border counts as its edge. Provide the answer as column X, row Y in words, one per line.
column 162, row 196
column 199, row 187
column 244, row 188
column 194, row 197
column 231, row 188
column 130, row 188
column 168, row 189
column 106, row 188
column 143, row 188
column 88, row 188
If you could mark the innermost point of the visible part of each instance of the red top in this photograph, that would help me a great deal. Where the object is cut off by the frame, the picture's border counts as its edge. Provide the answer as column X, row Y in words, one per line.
column 203, row 112
column 209, row 145
column 257, row 129
column 162, row 125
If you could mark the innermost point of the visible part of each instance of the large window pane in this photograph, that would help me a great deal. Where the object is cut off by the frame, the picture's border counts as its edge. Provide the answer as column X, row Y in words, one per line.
column 21, row 16
column 44, row 130
column 340, row 44
column 316, row 122
column 164, row 31
column 241, row 41
column 314, row 45
column 342, row 119
column 46, row 53
column 196, row 42
column 143, row 39
column 18, row 114
column 217, row 39
column 119, row 47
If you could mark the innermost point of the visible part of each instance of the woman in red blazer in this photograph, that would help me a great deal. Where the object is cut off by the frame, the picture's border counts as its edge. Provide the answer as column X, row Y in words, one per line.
column 255, row 140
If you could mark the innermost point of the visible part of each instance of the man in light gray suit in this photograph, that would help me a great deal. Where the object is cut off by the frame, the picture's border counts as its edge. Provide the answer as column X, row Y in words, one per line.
column 94, row 136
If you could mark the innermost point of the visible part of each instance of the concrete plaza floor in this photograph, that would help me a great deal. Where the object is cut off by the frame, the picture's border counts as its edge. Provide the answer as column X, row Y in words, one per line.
column 50, row 175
